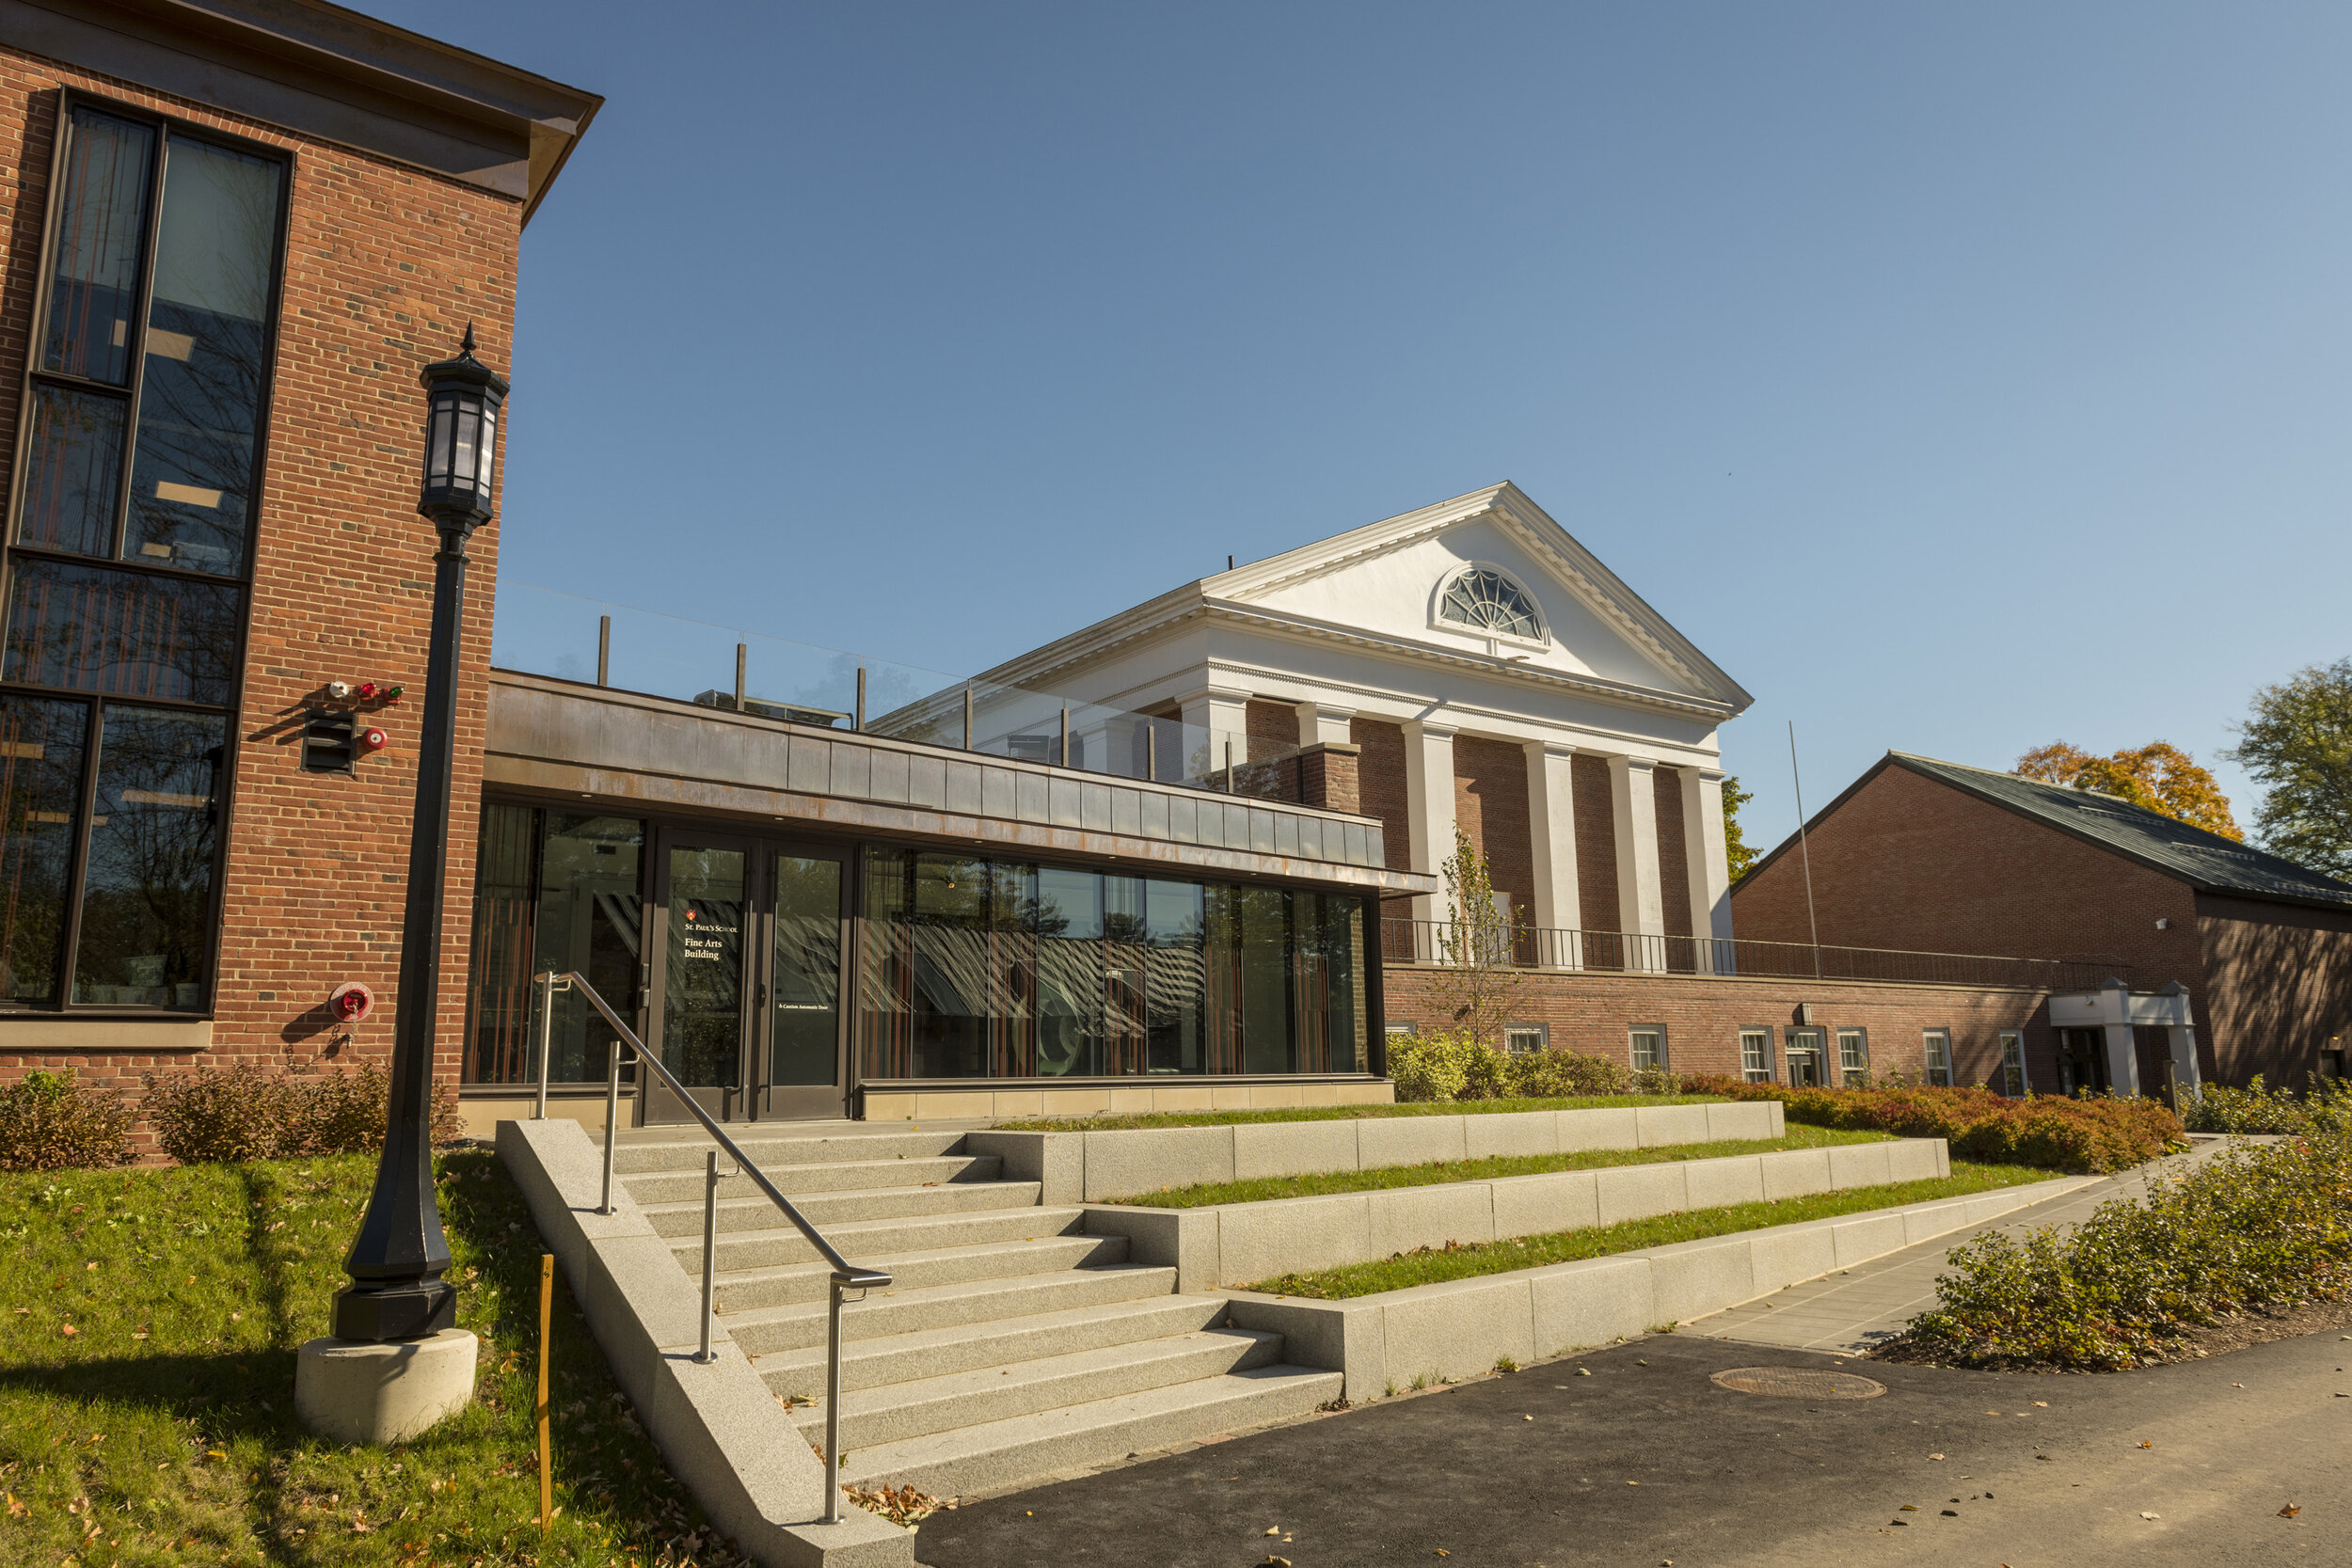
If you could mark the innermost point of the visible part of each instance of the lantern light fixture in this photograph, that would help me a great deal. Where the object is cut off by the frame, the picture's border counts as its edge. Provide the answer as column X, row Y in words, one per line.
column 463, row 397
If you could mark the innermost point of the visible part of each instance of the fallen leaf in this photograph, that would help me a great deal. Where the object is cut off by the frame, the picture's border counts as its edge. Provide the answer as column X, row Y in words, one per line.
column 16, row 1510
column 1935, row 1456
column 69, row 1331
column 1275, row 1530
column 1910, row 1508
column 2147, row 1445
column 1526, row 1418
column 2041, row 1404
column 1584, row 1371
column 1278, row 1561
column 2145, row 1514
column 2287, row 1513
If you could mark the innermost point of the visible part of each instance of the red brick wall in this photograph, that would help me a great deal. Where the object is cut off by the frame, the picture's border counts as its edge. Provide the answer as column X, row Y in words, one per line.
column 1273, row 729
column 1490, row 806
column 1909, row 862
column 1673, row 852
column 385, row 266
column 2279, row 985
column 1703, row 1018
column 1596, row 844
column 1380, row 786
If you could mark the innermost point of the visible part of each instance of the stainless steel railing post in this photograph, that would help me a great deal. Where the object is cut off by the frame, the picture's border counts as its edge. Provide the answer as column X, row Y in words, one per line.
column 833, row 1406
column 711, row 1252
column 547, row 1031
column 612, row 1124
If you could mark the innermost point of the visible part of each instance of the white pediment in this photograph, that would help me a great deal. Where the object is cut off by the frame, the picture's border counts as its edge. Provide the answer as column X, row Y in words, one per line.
column 1386, row 581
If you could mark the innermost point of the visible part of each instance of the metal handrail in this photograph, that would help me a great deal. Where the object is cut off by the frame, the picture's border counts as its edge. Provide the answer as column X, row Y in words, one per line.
column 846, row 1274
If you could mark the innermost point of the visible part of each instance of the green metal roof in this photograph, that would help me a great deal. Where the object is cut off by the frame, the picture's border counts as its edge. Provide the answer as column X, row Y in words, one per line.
column 2206, row 860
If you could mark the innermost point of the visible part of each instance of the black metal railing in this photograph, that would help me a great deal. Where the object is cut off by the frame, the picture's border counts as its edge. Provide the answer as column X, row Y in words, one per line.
column 1452, row 944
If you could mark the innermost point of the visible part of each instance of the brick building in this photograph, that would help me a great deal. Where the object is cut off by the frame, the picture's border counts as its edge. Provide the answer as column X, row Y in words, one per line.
column 234, row 231
column 1918, row 853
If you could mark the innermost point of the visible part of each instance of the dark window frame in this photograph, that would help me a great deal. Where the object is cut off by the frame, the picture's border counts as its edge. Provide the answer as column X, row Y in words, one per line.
column 167, row 128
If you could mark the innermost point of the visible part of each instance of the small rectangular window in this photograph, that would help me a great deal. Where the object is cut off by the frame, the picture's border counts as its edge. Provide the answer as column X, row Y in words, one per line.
column 1401, row 1030
column 1648, row 1047
column 1853, row 1057
column 1755, row 1055
column 1524, row 1039
column 2013, row 1064
column 1938, row 1044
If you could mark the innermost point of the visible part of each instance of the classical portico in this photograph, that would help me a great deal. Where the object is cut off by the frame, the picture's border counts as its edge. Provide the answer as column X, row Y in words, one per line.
column 1472, row 664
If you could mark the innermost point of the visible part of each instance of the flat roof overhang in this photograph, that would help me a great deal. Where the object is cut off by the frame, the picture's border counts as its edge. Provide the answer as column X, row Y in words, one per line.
column 568, row 740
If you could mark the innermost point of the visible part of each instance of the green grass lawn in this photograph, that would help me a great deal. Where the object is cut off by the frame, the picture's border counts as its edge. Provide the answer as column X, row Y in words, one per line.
column 146, row 1372
column 1433, row 1172
column 1343, row 1113
column 1427, row 1266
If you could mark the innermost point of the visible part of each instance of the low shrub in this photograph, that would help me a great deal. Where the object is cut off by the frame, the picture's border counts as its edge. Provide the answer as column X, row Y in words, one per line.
column 1447, row 1065
column 2219, row 1108
column 2048, row 1130
column 228, row 1114
column 48, row 1121
column 2256, row 1229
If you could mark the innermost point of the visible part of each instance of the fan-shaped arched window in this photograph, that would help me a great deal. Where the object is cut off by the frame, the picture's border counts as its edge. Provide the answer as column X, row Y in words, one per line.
column 1485, row 600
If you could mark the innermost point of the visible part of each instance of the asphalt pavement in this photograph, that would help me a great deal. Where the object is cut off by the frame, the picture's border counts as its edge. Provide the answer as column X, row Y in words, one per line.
column 1646, row 1461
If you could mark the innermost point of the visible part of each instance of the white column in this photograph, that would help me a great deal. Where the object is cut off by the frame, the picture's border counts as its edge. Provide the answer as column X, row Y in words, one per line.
column 2122, row 1060
column 1214, row 718
column 1710, row 873
column 1320, row 724
column 1551, row 828
column 2182, row 1038
column 1429, row 805
column 1641, row 906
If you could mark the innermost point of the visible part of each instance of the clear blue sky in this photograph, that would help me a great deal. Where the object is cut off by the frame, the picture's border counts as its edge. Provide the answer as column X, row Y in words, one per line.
column 1960, row 377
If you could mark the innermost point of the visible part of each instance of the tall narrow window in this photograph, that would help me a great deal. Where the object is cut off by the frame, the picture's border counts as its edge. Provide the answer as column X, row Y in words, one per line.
column 126, row 562
column 1937, row 1046
column 1755, row 1055
column 2013, row 1064
column 1648, row 1048
column 1853, row 1058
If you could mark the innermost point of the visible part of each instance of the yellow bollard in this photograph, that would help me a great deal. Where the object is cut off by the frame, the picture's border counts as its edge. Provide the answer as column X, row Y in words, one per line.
column 546, row 1474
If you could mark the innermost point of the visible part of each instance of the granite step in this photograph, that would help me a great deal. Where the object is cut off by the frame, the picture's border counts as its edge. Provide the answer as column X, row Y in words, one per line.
column 778, row 1243
column 1014, row 1325
column 685, row 1184
column 741, row 1290
column 844, row 1209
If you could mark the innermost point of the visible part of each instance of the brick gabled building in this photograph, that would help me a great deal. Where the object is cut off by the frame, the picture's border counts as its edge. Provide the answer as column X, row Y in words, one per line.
column 1922, row 854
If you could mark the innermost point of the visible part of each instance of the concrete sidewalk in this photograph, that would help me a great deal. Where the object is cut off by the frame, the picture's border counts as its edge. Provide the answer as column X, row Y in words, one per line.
column 1855, row 1310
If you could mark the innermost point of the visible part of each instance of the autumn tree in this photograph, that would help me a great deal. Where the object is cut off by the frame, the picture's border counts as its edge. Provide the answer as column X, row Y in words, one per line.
column 2159, row 776
column 2296, row 741
column 1737, row 851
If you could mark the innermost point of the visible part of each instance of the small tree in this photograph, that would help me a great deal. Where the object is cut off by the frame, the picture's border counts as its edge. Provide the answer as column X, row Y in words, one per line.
column 1474, row 948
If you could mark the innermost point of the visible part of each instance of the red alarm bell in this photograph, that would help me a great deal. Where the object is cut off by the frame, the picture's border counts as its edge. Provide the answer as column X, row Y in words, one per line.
column 374, row 740
column 351, row 1001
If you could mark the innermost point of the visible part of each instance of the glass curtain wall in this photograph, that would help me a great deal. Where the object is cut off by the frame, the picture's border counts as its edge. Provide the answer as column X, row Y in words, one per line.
column 556, row 891
column 985, row 969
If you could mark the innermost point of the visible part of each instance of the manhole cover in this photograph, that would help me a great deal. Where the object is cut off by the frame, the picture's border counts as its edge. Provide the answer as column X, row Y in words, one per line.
column 1798, row 1383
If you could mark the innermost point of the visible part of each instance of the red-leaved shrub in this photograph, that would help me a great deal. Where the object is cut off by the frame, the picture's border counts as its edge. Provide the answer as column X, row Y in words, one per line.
column 2105, row 1135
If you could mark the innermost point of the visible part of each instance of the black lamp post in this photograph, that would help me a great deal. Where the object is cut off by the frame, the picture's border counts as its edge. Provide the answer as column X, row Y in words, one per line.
column 396, row 1289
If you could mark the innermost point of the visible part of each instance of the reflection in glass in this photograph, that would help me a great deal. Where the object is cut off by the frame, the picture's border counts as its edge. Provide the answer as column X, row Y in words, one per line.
column 147, row 894
column 807, row 989
column 94, row 288
column 948, row 968
column 1070, row 972
column 128, row 634
column 498, row 1037
column 1176, row 927
column 40, row 785
column 72, row 466
column 701, row 996
column 200, row 404
column 590, row 913
column 1261, row 920
column 1332, row 1028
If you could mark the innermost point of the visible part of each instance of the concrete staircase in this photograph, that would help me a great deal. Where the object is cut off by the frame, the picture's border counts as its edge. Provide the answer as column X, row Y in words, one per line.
column 1010, row 1345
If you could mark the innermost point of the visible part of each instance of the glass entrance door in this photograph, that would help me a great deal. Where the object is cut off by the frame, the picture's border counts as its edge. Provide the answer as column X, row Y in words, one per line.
column 702, row 909
column 807, row 926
